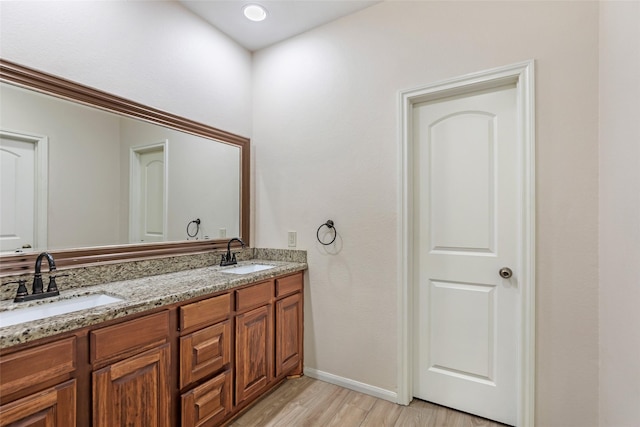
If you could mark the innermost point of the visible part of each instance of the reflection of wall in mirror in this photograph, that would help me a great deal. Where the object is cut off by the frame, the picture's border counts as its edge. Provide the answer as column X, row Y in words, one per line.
column 83, row 165
column 203, row 179
column 89, row 171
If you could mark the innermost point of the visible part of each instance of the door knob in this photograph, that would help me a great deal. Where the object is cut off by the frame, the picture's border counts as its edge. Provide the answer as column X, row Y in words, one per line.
column 505, row 272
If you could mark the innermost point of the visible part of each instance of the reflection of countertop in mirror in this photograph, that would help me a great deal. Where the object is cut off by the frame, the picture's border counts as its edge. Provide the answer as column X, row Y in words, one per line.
column 139, row 295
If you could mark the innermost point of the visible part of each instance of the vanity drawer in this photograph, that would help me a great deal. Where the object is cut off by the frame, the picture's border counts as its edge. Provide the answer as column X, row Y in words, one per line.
column 204, row 352
column 208, row 403
column 128, row 338
column 205, row 312
column 254, row 296
column 37, row 365
column 288, row 285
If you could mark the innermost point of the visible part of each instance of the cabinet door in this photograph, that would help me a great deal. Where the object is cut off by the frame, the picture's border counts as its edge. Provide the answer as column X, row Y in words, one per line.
column 55, row 406
column 288, row 333
column 254, row 352
column 134, row 392
column 207, row 404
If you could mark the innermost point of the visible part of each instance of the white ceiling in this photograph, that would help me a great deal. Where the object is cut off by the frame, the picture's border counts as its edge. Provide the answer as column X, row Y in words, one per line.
column 284, row 18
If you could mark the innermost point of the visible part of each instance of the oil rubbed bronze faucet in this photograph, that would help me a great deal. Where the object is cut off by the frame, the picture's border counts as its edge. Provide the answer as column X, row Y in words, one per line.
column 37, row 291
column 229, row 258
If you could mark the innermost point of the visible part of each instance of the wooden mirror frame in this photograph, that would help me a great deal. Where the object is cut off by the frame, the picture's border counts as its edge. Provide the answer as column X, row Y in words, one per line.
column 12, row 264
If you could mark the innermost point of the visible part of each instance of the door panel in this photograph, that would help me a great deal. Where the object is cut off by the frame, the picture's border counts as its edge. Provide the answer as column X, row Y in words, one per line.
column 462, row 183
column 152, row 200
column 17, row 188
column 466, row 210
column 134, row 392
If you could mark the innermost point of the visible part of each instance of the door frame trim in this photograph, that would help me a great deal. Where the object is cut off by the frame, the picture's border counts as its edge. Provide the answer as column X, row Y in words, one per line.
column 522, row 74
column 134, row 191
column 41, row 180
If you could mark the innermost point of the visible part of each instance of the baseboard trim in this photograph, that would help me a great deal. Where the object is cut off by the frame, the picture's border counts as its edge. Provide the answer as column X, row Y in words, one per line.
column 374, row 391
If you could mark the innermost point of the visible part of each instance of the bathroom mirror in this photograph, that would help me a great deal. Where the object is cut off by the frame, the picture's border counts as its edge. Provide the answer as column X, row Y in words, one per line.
column 111, row 179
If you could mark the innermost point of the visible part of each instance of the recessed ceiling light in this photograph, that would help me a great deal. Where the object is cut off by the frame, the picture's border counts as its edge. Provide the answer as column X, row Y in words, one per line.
column 255, row 12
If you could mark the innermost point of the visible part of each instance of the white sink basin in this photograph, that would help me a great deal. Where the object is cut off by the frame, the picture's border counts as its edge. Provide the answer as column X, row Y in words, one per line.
column 246, row 269
column 42, row 311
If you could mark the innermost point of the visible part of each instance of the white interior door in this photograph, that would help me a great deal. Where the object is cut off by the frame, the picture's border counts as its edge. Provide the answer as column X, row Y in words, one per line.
column 17, row 189
column 466, row 230
column 148, row 194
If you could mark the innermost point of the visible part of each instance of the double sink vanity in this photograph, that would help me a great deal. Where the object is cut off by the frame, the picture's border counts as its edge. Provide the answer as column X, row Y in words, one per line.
column 190, row 348
column 144, row 330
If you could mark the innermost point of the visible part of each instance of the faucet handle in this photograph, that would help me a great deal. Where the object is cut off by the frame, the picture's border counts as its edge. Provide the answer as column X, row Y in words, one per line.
column 53, row 287
column 22, row 290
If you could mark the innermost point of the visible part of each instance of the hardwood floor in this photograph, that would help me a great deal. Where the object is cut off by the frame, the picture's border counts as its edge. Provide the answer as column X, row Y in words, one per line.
column 309, row 402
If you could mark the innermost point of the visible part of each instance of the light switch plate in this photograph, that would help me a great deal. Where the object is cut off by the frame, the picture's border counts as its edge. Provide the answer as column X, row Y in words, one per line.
column 222, row 233
column 292, row 239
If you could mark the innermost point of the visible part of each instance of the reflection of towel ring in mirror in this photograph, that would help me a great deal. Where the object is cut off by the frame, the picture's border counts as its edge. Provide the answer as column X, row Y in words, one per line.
column 197, row 223
column 330, row 226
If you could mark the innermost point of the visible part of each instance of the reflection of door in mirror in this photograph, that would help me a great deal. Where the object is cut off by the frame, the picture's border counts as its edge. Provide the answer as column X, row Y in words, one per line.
column 148, row 193
column 23, row 171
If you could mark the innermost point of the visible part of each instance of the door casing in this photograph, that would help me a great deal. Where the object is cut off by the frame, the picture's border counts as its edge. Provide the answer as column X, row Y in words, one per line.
column 41, row 191
column 522, row 75
column 134, row 190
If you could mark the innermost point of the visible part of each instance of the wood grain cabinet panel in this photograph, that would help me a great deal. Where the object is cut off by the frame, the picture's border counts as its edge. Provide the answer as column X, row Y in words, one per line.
column 35, row 365
column 53, row 407
column 134, row 392
column 254, row 296
column 204, row 352
column 233, row 347
column 207, row 404
column 127, row 338
column 288, row 333
column 254, row 352
column 204, row 313
column 288, row 285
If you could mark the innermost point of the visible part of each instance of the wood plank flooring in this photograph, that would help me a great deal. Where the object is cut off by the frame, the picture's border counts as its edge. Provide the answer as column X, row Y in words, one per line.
column 308, row 402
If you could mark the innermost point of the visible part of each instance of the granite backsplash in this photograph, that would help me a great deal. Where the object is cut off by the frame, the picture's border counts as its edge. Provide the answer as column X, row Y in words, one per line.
column 105, row 273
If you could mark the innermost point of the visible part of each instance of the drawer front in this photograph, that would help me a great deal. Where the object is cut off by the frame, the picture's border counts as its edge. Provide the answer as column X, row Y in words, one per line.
column 204, row 313
column 208, row 404
column 254, row 296
column 204, row 352
column 54, row 406
column 288, row 285
column 35, row 365
column 127, row 338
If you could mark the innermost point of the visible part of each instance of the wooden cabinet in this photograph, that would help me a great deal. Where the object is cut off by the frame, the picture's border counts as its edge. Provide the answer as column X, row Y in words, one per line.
column 254, row 352
column 208, row 404
column 41, row 378
column 268, row 345
column 289, row 325
column 288, row 334
column 55, row 406
column 205, row 361
column 133, row 392
column 133, row 389
column 194, row 364
column 204, row 352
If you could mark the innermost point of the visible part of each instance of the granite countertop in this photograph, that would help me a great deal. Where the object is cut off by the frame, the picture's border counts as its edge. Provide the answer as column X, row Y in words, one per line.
column 139, row 295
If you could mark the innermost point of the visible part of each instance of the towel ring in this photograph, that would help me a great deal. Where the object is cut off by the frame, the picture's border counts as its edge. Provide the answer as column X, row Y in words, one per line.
column 330, row 226
column 197, row 223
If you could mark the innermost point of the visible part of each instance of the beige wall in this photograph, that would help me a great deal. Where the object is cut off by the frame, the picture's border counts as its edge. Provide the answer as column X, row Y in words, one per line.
column 203, row 180
column 326, row 146
column 153, row 52
column 619, row 214
column 83, row 165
